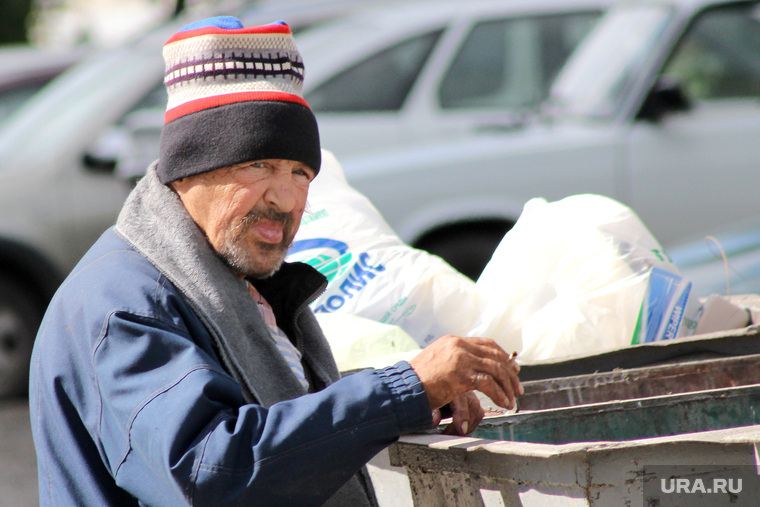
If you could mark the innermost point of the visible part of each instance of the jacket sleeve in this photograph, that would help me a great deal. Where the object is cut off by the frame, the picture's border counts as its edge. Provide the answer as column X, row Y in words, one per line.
column 174, row 427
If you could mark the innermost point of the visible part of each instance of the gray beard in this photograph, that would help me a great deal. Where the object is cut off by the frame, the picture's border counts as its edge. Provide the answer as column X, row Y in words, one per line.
column 235, row 253
column 244, row 262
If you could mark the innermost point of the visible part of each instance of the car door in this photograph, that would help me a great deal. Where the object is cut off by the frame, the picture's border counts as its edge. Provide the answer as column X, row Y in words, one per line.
column 475, row 75
column 500, row 70
column 701, row 166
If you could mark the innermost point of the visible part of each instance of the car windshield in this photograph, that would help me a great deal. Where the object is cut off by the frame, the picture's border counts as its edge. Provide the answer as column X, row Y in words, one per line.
column 596, row 79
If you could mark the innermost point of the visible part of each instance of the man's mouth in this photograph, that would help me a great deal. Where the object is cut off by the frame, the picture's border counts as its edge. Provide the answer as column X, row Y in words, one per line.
column 270, row 232
column 269, row 225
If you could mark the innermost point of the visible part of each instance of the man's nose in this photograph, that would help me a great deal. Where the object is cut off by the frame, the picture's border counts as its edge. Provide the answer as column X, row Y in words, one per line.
column 281, row 193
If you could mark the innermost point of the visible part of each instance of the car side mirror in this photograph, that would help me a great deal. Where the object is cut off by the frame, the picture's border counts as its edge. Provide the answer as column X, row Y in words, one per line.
column 666, row 96
column 101, row 155
column 127, row 149
column 143, row 138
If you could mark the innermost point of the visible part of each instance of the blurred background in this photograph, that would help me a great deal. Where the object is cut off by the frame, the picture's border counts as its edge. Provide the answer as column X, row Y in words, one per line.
column 448, row 115
column 100, row 23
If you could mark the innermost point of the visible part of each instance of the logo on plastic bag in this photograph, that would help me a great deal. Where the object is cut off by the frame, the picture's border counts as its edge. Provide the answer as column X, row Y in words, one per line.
column 353, row 274
column 330, row 266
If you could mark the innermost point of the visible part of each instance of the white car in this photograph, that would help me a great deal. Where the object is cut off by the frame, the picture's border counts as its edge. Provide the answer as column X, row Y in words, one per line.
column 66, row 155
column 658, row 108
column 405, row 73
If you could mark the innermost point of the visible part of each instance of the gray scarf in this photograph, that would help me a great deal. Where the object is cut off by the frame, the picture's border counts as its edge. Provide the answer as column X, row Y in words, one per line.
column 154, row 222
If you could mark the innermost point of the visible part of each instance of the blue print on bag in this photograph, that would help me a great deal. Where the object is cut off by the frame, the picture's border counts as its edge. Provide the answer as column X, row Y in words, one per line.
column 338, row 267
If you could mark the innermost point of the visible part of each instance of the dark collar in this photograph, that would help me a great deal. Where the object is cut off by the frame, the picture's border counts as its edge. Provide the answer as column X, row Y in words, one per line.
column 294, row 286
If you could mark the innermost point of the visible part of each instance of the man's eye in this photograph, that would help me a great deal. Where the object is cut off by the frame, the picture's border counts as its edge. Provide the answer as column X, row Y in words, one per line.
column 302, row 172
column 258, row 165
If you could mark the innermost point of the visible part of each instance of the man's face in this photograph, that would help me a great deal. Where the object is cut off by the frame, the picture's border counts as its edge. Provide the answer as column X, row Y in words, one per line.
column 250, row 212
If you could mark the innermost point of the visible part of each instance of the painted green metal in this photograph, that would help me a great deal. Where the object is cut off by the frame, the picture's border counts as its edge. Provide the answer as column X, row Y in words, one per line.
column 631, row 419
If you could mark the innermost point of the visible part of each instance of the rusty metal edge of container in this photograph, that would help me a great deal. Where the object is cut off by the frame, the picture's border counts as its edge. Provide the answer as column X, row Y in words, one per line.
column 738, row 342
column 648, row 381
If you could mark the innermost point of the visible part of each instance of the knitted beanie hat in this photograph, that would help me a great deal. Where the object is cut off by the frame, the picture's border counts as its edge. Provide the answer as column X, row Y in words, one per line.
column 234, row 96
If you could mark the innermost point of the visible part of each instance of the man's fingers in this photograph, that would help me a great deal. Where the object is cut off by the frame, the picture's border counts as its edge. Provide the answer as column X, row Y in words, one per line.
column 437, row 417
column 460, row 413
column 476, row 411
column 499, row 381
column 466, row 414
column 454, row 365
column 489, row 386
column 518, row 388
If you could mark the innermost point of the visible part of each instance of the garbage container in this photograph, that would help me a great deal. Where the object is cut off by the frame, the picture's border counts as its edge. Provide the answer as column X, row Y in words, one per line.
column 587, row 439
column 468, row 471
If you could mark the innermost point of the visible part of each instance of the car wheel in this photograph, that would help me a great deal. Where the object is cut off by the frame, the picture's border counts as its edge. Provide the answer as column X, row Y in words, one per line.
column 467, row 251
column 20, row 316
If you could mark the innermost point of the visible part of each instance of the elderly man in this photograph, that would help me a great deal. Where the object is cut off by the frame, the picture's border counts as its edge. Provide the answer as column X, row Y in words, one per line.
column 179, row 363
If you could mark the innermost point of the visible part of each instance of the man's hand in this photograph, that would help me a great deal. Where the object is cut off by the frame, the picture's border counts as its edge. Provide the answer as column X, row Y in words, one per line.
column 451, row 366
column 466, row 414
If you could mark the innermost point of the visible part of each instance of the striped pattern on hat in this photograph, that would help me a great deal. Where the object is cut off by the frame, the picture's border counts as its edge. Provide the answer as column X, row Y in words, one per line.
column 234, row 96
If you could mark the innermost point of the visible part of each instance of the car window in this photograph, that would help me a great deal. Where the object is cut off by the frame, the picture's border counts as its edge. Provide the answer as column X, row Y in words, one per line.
column 719, row 56
column 607, row 64
column 510, row 63
column 378, row 83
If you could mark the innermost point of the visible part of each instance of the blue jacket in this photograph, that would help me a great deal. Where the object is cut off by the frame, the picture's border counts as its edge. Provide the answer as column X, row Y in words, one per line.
column 129, row 400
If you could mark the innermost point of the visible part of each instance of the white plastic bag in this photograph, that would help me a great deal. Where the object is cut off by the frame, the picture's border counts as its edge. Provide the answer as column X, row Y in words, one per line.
column 358, row 343
column 571, row 278
column 371, row 272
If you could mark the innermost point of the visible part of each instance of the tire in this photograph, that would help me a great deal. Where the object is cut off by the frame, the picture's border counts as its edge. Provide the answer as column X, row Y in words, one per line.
column 467, row 251
column 20, row 315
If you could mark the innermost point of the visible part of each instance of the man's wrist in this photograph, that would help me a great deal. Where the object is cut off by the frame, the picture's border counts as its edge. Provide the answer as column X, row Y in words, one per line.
column 409, row 396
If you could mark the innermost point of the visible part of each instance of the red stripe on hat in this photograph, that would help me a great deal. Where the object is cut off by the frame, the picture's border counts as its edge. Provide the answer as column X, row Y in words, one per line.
column 213, row 30
column 230, row 98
